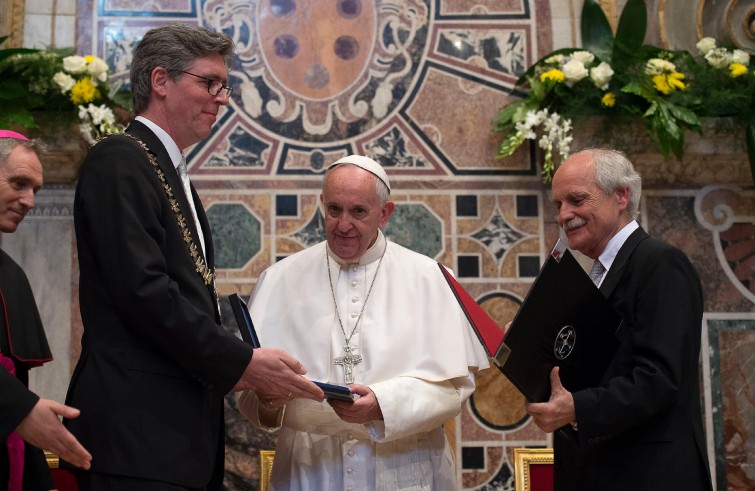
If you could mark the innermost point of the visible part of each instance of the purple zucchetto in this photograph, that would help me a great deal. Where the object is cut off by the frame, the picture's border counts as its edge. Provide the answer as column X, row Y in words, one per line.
column 12, row 134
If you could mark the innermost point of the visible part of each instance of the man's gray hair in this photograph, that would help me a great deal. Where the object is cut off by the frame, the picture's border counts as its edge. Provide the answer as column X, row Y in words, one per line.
column 8, row 144
column 381, row 190
column 174, row 47
column 613, row 170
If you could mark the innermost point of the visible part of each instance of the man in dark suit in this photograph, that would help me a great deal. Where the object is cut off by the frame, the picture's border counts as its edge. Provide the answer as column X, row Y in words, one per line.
column 27, row 422
column 155, row 364
column 641, row 428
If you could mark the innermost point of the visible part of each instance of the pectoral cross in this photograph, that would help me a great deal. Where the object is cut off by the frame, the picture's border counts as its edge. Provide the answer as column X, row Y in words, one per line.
column 348, row 360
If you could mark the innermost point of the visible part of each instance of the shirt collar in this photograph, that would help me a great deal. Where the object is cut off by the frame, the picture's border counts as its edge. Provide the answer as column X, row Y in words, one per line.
column 173, row 151
column 372, row 254
column 613, row 246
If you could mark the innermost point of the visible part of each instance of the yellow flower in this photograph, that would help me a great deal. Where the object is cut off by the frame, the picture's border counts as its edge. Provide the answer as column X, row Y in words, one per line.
column 666, row 83
column 737, row 70
column 89, row 58
column 608, row 99
column 84, row 91
column 661, row 84
column 675, row 80
column 554, row 74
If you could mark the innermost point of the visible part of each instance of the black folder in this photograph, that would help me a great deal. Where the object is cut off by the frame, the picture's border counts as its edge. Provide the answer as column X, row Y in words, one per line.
column 244, row 320
column 248, row 334
column 564, row 321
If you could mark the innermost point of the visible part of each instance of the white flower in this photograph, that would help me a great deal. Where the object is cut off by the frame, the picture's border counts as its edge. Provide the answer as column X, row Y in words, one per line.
column 574, row 71
column 525, row 130
column 740, row 56
column 657, row 66
column 706, row 44
column 64, row 81
column 718, row 58
column 534, row 118
column 97, row 121
column 554, row 59
column 601, row 75
column 74, row 64
column 98, row 68
column 584, row 56
column 101, row 114
column 83, row 113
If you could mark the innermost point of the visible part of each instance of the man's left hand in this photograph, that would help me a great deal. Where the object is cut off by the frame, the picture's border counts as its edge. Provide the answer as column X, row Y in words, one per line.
column 558, row 411
column 362, row 411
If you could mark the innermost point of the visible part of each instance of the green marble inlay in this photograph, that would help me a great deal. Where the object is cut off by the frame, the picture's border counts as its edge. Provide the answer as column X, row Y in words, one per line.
column 416, row 228
column 235, row 234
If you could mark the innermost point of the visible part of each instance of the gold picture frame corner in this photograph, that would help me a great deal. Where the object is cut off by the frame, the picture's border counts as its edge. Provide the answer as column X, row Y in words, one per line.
column 523, row 458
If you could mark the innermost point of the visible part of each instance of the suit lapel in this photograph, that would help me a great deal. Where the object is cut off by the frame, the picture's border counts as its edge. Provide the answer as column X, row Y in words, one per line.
column 174, row 181
column 143, row 133
column 614, row 274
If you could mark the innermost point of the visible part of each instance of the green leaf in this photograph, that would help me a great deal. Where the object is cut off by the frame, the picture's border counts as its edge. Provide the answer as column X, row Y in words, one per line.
column 750, row 137
column 17, row 117
column 668, row 121
column 596, row 30
column 686, row 116
column 504, row 118
column 633, row 88
column 630, row 33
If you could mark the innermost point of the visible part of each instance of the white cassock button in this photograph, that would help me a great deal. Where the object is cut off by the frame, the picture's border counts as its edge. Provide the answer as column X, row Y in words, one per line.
column 354, row 315
column 354, row 269
column 354, row 283
column 349, row 470
column 354, row 299
column 351, row 453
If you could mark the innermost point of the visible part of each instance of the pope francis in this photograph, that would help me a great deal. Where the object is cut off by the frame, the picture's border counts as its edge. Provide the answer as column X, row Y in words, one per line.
column 361, row 311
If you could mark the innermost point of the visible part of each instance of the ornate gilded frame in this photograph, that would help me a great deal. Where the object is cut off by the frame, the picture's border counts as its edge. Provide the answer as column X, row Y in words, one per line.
column 523, row 459
column 53, row 461
column 266, row 467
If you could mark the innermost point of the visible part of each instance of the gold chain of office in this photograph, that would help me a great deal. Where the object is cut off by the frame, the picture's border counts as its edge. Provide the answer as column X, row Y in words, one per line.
column 208, row 275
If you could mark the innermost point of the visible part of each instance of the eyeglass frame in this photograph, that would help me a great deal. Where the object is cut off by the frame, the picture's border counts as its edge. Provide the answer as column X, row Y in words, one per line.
column 210, row 81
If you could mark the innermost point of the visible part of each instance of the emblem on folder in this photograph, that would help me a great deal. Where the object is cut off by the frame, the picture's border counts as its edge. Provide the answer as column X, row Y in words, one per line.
column 565, row 340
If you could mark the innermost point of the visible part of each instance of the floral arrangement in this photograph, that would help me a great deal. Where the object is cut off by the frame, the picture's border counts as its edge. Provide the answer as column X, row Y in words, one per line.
column 622, row 79
column 75, row 89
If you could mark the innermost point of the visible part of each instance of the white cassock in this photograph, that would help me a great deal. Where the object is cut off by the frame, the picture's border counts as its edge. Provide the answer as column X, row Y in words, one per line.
column 418, row 353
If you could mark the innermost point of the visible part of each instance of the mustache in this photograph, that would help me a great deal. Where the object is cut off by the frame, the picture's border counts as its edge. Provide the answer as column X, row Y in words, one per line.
column 573, row 223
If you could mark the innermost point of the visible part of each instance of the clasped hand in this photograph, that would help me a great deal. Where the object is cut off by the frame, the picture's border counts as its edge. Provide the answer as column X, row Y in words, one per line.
column 363, row 410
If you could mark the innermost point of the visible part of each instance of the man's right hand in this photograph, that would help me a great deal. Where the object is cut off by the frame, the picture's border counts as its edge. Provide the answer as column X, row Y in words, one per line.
column 275, row 372
column 43, row 429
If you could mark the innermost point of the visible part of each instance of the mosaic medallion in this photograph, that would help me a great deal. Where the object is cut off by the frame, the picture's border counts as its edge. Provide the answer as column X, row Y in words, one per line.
column 315, row 81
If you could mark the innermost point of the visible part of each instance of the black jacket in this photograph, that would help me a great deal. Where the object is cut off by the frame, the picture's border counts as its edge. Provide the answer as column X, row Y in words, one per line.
column 642, row 427
column 155, row 363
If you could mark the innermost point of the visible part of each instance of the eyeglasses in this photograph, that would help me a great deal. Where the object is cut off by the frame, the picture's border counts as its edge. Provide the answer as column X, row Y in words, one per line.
column 214, row 87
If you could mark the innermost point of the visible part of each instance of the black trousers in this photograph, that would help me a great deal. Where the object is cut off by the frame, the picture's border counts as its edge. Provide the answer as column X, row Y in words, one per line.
column 92, row 481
